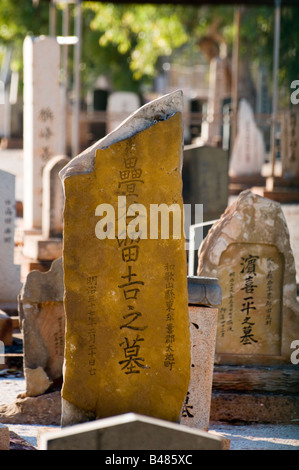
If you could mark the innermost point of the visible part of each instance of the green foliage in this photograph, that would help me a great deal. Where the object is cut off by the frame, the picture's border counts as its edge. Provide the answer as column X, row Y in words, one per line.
column 126, row 42
column 18, row 19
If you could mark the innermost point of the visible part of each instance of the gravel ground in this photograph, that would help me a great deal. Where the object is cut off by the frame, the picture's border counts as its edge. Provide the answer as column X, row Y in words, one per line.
column 245, row 437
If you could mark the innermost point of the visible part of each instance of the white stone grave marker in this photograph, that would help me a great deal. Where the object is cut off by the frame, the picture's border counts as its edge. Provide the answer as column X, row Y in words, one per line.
column 42, row 120
column 248, row 153
column 10, row 283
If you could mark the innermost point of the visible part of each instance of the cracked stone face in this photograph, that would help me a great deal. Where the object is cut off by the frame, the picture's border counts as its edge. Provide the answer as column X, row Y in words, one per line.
column 126, row 300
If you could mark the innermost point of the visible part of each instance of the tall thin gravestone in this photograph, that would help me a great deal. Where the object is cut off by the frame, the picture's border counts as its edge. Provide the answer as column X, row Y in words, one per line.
column 126, row 300
column 248, row 153
column 290, row 145
column 42, row 120
column 10, row 283
column 218, row 91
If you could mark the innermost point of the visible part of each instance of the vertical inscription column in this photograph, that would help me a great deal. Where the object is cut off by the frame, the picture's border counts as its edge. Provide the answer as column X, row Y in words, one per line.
column 42, row 120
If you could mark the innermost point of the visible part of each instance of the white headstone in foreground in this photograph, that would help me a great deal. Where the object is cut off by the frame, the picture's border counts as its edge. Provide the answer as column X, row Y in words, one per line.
column 248, row 153
column 130, row 431
column 42, row 120
column 10, row 284
column 53, row 197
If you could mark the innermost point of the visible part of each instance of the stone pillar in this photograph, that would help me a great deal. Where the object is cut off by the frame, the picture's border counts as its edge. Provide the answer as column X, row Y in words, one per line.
column 204, row 299
column 42, row 120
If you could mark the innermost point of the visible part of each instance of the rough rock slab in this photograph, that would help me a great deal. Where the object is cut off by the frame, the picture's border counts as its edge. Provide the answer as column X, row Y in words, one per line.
column 45, row 409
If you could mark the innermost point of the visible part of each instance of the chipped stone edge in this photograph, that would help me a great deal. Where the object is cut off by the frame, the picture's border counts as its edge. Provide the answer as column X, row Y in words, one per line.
column 43, row 278
column 149, row 114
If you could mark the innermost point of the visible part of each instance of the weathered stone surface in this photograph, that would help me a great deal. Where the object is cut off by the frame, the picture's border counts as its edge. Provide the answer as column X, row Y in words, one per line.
column 44, row 409
column 37, row 381
column 130, row 432
column 248, row 153
column 127, row 334
column 4, row 437
column 249, row 251
column 203, row 325
column 42, row 321
column 5, row 328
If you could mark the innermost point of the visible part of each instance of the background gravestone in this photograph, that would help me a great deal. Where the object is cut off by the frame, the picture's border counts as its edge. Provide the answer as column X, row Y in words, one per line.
column 249, row 251
column 126, row 301
column 290, row 145
column 219, row 89
column 248, row 153
column 42, row 321
column 120, row 105
column 205, row 177
column 53, row 198
column 10, row 283
column 42, row 120
column 204, row 298
column 130, row 432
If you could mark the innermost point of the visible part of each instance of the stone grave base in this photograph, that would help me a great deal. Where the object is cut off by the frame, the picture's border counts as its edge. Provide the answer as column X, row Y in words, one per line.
column 255, row 394
column 37, row 247
column 281, row 195
column 239, row 183
column 282, row 190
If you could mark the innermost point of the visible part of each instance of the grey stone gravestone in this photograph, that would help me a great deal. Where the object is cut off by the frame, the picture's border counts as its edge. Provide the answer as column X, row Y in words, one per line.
column 10, row 283
column 53, row 197
column 129, row 432
column 205, row 179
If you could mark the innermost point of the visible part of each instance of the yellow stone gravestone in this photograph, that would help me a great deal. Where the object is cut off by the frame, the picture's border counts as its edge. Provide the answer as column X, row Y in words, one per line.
column 126, row 301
